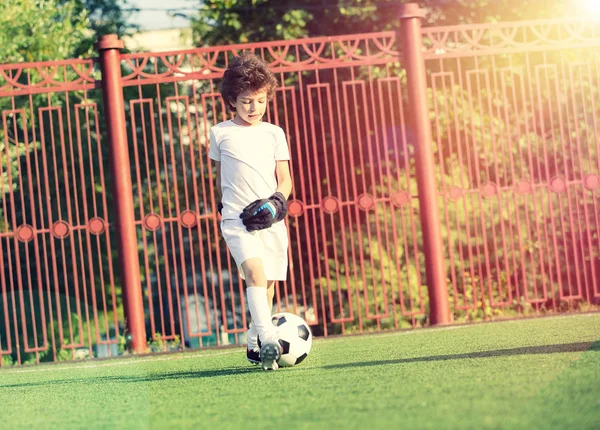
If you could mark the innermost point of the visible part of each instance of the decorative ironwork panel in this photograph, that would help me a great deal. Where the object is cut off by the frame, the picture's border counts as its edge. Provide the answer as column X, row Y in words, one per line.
column 516, row 117
column 510, row 37
column 58, row 298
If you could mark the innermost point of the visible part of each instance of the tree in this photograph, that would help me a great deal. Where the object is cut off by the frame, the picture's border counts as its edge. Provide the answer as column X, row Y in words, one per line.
column 221, row 22
column 105, row 17
column 39, row 30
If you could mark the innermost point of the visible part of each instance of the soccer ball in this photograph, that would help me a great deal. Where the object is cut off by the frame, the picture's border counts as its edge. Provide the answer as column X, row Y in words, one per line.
column 295, row 338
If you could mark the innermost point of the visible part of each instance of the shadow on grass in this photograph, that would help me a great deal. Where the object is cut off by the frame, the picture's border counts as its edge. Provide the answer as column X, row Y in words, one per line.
column 545, row 349
column 142, row 378
column 527, row 350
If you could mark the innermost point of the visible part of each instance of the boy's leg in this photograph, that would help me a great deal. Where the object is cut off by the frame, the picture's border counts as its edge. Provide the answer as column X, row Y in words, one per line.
column 258, row 303
column 252, row 333
column 270, row 293
column 252, row 352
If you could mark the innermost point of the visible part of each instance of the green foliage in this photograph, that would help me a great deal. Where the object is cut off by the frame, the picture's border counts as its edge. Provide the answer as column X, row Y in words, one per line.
column 161, row 345
column 40, row 30
column 222, row 22
column 236, row 21
column 105, row 17
column 51, row 318
column 43, row 30
column 484, row 137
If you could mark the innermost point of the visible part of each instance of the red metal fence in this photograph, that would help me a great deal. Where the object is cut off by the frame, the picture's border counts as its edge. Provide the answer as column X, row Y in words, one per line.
column 512, row 178
column 516, row 119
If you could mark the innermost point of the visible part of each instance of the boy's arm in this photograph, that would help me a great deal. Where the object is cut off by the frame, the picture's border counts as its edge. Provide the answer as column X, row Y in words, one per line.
column 284, row 178
column 262, row 213
column 218, row 188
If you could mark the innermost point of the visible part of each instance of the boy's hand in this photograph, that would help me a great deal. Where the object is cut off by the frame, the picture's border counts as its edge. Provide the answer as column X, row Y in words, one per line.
column 262, row 213
column 262, row 220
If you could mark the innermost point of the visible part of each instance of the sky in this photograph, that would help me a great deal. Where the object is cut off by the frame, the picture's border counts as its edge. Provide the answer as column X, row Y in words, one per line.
column 154, row 14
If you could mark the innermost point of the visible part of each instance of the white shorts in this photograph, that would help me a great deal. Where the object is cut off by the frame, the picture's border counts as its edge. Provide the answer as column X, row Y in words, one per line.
column 270, row 245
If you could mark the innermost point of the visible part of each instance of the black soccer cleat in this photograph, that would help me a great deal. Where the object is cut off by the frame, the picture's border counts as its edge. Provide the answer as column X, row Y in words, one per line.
column 269, row 354
column 253, row 355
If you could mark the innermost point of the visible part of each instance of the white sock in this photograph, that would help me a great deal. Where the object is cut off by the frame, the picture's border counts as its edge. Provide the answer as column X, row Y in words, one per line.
column 252, row 337
column 260, row 313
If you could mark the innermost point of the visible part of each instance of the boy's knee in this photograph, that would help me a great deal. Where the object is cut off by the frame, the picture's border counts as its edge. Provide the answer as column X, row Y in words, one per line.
column 255, row 280
column 254, row 273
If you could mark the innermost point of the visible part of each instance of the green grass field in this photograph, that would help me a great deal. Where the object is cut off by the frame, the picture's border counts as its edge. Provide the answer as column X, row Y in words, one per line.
column 535, row 373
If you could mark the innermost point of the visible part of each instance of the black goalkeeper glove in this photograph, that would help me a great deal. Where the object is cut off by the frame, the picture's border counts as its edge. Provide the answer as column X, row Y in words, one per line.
column 263, row 213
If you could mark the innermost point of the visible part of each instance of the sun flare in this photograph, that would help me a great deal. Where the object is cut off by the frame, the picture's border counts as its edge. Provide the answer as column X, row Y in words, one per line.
column 592, row 7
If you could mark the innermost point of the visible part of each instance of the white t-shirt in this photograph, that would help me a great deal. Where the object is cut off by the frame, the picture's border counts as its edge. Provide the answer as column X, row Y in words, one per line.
column 248, row 156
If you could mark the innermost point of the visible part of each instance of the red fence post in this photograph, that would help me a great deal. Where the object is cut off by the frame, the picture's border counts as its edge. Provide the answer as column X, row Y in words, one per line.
column 412, row 45
column 108, row 47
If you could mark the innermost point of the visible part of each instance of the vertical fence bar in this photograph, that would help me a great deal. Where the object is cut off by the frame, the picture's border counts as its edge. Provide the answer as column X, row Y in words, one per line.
column 412, row 44
column 108, row 47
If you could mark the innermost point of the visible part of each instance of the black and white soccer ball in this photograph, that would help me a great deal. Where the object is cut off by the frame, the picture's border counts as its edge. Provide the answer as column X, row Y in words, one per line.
column 295, row 338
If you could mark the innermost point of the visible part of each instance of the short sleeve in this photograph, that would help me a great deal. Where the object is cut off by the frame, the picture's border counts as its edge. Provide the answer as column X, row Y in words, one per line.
column 282, row 151
column 214, row 153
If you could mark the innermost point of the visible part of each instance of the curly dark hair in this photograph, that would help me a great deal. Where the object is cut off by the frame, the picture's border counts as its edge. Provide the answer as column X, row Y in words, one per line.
column 246, row 72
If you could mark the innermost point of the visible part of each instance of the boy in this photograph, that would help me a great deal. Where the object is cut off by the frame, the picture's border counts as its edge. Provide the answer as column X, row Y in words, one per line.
column 253, row 184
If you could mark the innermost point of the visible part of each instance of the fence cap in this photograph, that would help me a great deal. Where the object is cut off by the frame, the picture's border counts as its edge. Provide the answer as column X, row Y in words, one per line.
column 109, row 41
column 411, row 10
